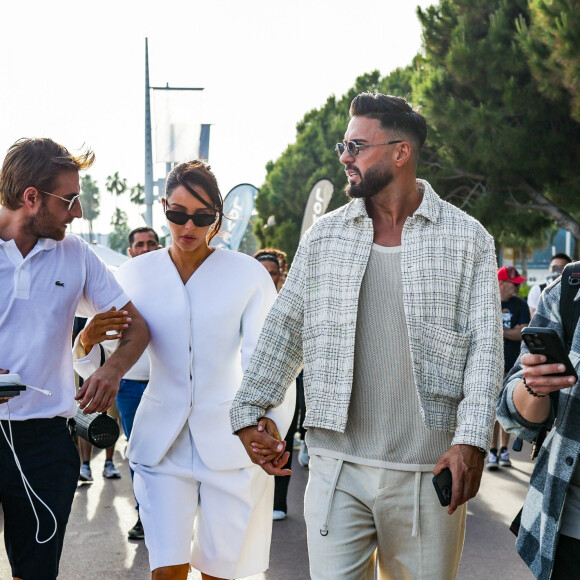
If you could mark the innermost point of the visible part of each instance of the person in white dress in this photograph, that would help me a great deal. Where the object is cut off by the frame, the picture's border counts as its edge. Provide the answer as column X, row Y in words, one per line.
column 201, row 500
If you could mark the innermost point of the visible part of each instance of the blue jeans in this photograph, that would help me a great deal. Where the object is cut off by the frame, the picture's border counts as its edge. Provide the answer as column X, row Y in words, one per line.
column 128, row 399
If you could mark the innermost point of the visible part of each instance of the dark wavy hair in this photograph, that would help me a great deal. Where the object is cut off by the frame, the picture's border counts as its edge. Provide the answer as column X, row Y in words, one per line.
column 198, row 173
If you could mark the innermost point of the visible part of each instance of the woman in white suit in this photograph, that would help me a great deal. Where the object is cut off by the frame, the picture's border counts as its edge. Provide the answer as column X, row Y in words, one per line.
column 202, row 502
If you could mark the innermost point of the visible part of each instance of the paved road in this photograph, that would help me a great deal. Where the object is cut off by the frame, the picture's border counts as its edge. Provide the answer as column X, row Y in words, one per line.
column 96, row 546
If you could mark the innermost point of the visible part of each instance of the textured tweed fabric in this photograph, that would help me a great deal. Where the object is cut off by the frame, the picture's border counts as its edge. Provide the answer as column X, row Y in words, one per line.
column 452, row 312
column 556, row 462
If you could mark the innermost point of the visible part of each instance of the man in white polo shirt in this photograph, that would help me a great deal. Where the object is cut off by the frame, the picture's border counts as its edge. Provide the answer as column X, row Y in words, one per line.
column 46, row 278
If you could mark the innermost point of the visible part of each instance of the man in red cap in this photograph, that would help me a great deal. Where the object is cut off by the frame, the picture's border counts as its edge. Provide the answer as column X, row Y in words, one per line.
column 516, row 316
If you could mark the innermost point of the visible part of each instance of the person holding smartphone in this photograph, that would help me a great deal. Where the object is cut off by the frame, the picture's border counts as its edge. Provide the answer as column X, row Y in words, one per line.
column 534, row 400
column 47, row 276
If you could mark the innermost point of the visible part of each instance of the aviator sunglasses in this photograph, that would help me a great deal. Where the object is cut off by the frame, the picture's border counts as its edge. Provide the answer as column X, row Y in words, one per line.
column 200, row 220
column 353, row 147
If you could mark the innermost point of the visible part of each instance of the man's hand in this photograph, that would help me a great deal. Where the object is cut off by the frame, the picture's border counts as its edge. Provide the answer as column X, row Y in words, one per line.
column 99, row 391
column 96, row 330
column 466, row 465
column 536, row 372
column 4, row 399
column 265, row 447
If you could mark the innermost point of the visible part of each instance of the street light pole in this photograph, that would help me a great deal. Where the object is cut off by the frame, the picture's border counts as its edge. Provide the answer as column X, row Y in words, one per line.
column 148, row 146
column 149, row 183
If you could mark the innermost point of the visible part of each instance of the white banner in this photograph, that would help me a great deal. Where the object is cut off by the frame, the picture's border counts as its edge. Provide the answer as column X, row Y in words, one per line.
column 317, row 203
column 177, row 124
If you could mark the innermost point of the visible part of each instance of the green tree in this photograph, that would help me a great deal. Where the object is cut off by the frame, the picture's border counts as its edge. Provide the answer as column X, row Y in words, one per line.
column 118, row 237
column 312, row 157
column 551, row 42
column 495, row 140
column 90, row 200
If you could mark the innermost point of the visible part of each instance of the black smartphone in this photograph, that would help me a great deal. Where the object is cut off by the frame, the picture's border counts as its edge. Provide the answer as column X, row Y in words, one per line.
column 11, row 389
column 442, row 484
column 547, row 342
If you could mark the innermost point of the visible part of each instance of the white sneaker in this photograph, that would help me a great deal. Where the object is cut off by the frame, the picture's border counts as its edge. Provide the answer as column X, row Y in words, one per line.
column 303, row 457
column 492, row 463
column 85, row 474
column 504, row 459
column 278, row 515
column 110, row 471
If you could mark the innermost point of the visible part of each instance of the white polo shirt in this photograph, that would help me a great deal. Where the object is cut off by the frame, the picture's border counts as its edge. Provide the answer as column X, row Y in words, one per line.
column 39, row 295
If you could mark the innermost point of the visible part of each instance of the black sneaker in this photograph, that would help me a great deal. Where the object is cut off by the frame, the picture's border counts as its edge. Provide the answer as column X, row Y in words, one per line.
column 136, row 532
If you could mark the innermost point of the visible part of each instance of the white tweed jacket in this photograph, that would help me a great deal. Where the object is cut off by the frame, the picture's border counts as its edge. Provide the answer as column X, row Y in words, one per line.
column 452, row 311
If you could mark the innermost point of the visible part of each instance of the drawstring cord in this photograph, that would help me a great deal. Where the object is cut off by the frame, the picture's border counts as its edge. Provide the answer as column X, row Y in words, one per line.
column 416, row 502
column 338, row 467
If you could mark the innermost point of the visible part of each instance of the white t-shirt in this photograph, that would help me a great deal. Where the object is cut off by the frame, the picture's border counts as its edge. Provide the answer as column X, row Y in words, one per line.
column 534, row 296
column 39, row 295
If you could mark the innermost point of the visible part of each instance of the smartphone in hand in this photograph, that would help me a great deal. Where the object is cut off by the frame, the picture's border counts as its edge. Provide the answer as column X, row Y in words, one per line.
column 10, row 385
column 546, row 341
column 442, row 483
column 11, row 390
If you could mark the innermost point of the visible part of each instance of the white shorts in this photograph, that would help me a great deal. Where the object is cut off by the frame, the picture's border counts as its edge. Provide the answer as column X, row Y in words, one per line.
column 218, row 521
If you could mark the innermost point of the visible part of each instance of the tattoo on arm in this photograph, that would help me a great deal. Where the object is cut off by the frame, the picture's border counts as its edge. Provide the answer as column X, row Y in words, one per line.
column 125, row 342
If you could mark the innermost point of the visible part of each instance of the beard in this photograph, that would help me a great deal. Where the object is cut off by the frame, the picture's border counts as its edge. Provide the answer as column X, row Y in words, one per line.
column 44, row 225
column 374, row 180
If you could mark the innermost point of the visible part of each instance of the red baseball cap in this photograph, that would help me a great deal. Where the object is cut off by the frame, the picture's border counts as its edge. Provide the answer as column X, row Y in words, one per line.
column 510, row 274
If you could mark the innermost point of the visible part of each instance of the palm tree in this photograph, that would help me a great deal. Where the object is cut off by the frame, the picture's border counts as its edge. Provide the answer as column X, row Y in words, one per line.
column 115, row 185
column 90, row 200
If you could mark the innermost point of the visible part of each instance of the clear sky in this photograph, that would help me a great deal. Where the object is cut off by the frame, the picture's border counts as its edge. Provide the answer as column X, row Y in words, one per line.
column 74, row 71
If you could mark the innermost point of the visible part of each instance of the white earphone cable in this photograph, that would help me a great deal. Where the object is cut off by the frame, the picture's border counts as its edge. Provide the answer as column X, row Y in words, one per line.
column 27, row 485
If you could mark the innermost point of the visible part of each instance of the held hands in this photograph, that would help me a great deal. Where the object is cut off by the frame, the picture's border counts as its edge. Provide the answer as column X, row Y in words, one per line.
column 265, row 446
column 535, row 371
column 466, row 465
column 105, row 322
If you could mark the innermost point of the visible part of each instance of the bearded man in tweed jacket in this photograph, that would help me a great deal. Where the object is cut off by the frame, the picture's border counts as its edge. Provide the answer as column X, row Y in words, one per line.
column 392, row 307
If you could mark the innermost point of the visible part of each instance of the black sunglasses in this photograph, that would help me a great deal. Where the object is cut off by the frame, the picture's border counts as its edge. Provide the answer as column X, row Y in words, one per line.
column 353, row 147
column 200, row 220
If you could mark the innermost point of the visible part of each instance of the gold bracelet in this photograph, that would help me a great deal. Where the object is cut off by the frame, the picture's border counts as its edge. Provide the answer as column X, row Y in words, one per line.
column 533, row 393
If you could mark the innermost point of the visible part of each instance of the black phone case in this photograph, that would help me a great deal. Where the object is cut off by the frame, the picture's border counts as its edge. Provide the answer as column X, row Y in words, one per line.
column 442, row 484
column 547, row 342
column 11, row 387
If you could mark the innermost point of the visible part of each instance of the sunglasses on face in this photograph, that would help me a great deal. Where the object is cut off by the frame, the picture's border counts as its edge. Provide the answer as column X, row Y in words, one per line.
column 200, row 220
column 354, row 148
column 71, row 202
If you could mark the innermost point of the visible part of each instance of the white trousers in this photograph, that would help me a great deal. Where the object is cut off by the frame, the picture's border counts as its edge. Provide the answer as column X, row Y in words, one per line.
column 351, row 510
column 218, row 521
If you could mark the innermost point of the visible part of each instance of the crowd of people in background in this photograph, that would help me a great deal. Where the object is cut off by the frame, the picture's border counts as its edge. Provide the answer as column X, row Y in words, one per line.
column 380, row 376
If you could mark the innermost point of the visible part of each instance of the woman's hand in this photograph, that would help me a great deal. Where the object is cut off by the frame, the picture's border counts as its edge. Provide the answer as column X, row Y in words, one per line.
column 98, row 329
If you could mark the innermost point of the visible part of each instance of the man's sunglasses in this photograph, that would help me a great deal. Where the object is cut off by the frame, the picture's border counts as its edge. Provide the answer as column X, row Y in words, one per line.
column 353, row 147
column 200, row 220
column 71, row 202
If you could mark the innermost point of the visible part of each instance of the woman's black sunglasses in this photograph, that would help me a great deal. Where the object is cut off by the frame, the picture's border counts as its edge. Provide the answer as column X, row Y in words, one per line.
column 200, row 220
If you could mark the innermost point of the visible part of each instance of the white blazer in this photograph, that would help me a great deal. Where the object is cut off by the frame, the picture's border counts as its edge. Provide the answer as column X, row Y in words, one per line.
column 203, row 334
